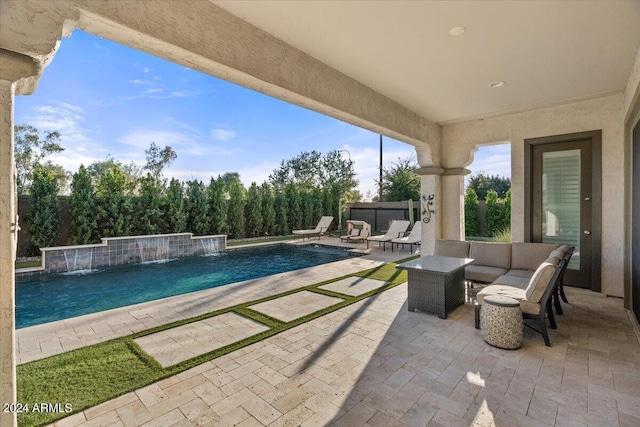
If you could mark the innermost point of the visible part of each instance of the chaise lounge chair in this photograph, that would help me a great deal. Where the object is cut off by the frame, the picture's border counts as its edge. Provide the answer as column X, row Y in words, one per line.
column 414, row 238
column 396, row 230
column 320, row 230
column 359, row 231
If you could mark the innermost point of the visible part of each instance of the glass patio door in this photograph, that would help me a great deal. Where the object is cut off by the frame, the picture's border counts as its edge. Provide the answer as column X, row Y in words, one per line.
column 562, row 203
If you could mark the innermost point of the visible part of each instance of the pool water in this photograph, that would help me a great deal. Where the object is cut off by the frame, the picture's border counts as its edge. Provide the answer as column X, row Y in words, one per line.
column 48, row 297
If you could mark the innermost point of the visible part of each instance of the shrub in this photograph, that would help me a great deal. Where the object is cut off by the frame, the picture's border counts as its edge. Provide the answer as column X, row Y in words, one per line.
column 217, row 206
column 83, row 225
column 43, row 220
column 471, row 217
column 253, row 211
column 235, row 214
column 195, row 206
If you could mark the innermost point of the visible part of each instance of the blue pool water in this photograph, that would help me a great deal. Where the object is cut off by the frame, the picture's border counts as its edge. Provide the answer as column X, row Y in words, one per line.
column 49, row 297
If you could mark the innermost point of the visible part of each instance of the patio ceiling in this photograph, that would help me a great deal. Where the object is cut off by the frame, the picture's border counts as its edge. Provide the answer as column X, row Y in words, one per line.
column 547, row 53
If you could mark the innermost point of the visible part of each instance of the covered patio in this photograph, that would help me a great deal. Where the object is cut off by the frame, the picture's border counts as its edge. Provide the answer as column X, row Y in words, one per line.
column 570, row 73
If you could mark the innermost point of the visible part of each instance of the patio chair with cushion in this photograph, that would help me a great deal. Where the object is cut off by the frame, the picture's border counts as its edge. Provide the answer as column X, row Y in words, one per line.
column 396, row 230
column 414, row 238
column 320, row 230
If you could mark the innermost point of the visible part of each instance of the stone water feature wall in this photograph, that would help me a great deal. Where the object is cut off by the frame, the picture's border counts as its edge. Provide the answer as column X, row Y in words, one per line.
column 130, row 250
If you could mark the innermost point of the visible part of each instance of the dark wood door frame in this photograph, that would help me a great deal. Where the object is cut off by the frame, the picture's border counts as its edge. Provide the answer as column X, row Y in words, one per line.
column 635, row 222
column 596, row 169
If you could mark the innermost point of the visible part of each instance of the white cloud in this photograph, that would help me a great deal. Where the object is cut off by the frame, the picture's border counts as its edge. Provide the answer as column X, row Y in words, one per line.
column 67, row 119
column 189, row 142
column 147, row 70
column 492, row 160
column 222, row 134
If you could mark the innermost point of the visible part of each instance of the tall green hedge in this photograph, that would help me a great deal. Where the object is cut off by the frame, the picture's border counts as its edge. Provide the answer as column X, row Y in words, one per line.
column 471, row 214
column 44, row 208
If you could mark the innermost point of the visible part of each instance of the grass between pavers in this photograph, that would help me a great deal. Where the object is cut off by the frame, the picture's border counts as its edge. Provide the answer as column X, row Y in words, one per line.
column 91, row 375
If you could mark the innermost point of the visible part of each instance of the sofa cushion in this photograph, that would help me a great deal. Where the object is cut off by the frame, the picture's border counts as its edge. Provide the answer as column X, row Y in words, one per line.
column 482, row 273
column 491, row 254
column 452, row 248
column 518, row 282
column 528, row 256
column 524, row 274
column 512, row 292
column 539, row 282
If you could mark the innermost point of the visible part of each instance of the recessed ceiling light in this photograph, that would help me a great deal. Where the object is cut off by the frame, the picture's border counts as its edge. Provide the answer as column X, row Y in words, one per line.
column 457, row 31
column 496, row 84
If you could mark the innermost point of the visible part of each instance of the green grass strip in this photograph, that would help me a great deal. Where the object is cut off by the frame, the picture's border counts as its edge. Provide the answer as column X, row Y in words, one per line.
column 91, row 375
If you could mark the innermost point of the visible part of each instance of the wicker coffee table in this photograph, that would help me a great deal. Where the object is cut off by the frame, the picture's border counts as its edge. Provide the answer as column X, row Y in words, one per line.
column 436, row 283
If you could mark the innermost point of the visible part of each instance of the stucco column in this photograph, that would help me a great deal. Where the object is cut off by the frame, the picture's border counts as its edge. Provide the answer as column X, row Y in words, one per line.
column 453, row 203
column 431, row 207
column 8, row 240
column 15, row 70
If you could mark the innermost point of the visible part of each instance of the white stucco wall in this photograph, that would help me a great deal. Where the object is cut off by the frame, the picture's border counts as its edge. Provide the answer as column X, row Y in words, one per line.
column 606, row 114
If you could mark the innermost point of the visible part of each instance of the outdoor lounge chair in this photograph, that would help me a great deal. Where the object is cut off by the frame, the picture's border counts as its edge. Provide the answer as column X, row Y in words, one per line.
column 396, row 229
column 320, row 230
column 414, row 238
column 359, row 231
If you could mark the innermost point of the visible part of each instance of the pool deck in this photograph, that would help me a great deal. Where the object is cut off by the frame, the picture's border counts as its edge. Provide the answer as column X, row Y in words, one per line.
column 37, row 342
column 374, row 363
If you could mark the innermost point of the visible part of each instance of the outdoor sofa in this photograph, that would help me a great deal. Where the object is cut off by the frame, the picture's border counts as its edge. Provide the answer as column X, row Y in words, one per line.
column 530, row 273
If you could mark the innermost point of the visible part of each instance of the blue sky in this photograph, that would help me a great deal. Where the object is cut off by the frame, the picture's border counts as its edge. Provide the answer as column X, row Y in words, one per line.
column 108, row 99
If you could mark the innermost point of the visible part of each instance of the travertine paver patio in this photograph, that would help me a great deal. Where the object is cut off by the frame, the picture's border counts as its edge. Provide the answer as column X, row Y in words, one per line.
column 294, row 306
column 376, row 364
column 353, row 286
column 185, row 342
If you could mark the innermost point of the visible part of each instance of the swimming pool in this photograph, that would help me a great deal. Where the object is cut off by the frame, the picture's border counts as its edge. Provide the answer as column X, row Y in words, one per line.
column 48, row 297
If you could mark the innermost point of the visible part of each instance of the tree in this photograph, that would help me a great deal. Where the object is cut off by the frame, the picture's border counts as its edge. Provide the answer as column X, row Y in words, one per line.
column 229, row 178
column 148, row 211
column 493, row 218
column 83, row 216
column 253, row 211
column 174, row 218
column 114, row 205
column 158, row 159
column 268, row 210
column 400, row 182
column 132, row 171
column 43, row 220
column 30, row 152
column 306, row 208
column 280, row 207
column 471, row 216
column 311, row 170
column 196, row 208
column 294, row 211
column 506, row 210
column 218, row 205
column 236, row 210
column 482, row 183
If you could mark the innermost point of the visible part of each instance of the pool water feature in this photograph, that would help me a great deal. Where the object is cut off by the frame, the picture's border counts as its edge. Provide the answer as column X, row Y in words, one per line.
column 49, row 297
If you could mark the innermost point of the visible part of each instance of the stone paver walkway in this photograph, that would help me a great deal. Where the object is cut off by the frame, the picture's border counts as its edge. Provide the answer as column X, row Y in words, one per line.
column 374, row 363
column 353, row 286
column 295, row 306
column 185, row 342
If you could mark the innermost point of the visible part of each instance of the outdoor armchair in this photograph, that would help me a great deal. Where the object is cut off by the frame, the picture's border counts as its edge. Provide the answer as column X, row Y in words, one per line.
column 321, row 228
